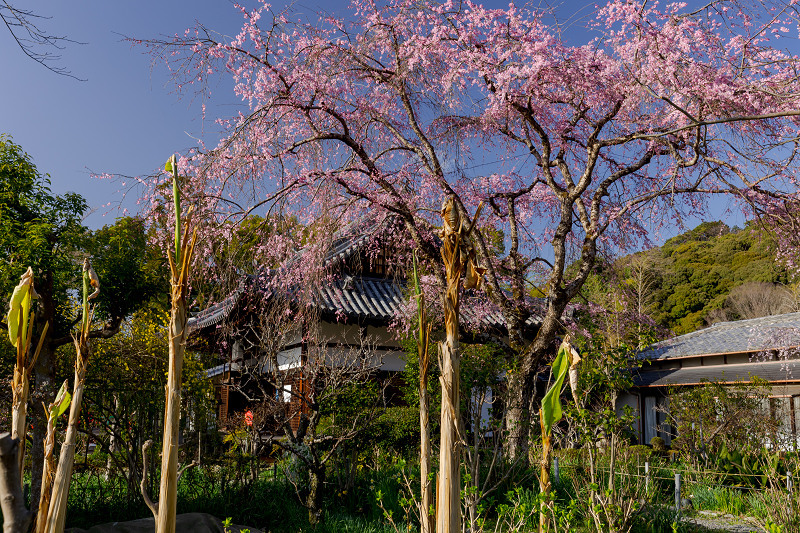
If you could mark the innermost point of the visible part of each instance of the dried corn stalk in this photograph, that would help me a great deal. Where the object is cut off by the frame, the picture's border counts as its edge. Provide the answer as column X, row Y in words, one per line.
column 179, row 315
column 20, row 330
column 57, row 510
column 54, row 410
column 459, row 258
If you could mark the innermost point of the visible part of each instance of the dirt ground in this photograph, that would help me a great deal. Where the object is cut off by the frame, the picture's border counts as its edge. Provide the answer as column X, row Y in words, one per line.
column 713, row 521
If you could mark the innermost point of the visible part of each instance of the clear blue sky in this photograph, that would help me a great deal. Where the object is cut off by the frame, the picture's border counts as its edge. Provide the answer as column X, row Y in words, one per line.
column 124, row 119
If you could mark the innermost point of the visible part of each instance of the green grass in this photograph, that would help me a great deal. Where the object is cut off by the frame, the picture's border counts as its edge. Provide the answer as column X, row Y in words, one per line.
column 716, row 498
column 273, row 505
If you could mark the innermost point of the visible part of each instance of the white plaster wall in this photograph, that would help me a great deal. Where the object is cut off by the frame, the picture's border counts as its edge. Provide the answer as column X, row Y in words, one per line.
column 290, row 358
column 392, row 360
column 380, row 336
column 338, row 333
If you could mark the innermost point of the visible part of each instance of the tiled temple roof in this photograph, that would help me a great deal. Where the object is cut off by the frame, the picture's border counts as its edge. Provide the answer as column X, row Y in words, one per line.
column 347, row 242
column 772, row 371
column 743, row 336
column 352, row 298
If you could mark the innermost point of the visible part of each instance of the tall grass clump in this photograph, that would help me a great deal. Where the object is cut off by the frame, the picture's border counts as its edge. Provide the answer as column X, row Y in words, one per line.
column 718, row 498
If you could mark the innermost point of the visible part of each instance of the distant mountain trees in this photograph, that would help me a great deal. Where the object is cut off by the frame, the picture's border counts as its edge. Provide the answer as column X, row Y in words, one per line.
column 709, row 274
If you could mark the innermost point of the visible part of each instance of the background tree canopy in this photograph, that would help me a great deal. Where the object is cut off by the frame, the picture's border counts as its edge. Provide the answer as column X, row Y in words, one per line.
column 37, row 228
column 45, row 231
column 708, row 274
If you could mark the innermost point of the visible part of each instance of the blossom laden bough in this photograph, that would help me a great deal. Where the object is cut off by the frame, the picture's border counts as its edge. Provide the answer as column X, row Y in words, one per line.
column 572, row 148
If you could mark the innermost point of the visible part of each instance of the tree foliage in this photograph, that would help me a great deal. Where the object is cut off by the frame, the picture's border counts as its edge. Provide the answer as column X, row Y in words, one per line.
column 37, row 228
column 132, row 272
column 699, row 277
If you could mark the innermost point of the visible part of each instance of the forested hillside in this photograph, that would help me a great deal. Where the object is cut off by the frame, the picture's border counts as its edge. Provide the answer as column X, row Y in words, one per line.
column 709, row 274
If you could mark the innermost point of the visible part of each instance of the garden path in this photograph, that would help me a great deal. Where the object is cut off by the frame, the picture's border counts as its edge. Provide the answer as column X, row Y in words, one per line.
column 713, row 521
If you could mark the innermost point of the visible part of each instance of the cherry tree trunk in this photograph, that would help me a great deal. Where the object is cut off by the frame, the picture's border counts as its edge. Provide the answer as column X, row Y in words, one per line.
column 517, row 418
column 314, row 499
column 168, row 490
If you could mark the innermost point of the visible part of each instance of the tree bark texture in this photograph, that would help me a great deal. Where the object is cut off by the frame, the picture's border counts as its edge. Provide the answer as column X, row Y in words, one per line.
column 517, row 418
column 314, row 499
column 521, row 394
column 16, row 518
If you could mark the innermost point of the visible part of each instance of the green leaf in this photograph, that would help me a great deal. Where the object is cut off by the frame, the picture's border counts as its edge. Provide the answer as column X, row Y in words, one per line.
column 20, row 301
column 176, row 196
column 85, row 323
column 551, row 403
column 61, row 403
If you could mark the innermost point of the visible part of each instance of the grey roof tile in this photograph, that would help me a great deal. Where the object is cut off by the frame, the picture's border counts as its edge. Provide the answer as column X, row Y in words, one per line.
column 773, row 371
column 754, row 335
column 214, row 314
column 376, row 299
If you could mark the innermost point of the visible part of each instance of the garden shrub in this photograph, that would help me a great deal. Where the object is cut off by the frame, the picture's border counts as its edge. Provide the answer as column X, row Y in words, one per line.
column 396, row 429
column 638, row 453
column 571, row 455
column 658, row 445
